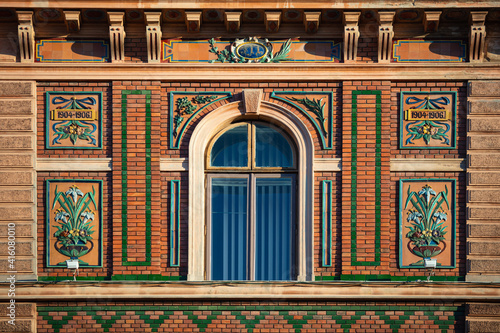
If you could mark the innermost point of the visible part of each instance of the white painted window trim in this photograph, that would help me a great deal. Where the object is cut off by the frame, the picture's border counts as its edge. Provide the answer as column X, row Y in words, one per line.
column 202, row 134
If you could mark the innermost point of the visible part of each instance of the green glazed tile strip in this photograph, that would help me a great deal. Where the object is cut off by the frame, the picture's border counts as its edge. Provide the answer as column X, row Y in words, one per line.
column 354, row 175
column 135, row 277
column 326, row 217
column 308, row 313
column 175, row 235
column 147, row 208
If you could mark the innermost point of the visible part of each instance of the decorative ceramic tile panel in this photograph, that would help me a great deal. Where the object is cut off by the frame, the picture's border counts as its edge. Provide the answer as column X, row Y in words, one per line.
column 426, row 50
column 72, row 51
column 74, row 222
column 428, row 120
column 250, row 50
column 317, row 106
column 427, row 222
column 73, row 120
column 184, row 106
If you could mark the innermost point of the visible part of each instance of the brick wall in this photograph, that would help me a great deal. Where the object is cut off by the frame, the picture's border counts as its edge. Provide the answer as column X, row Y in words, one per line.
column 251, row 316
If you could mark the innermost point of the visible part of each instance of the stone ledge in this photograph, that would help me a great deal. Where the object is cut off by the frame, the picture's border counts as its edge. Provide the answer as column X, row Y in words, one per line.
column 428, row 164
column 74, row 164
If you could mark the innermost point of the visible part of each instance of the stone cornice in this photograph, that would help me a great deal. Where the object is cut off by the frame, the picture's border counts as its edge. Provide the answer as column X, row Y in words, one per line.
column 255, row 290
column 249, row 72
column 248, row 4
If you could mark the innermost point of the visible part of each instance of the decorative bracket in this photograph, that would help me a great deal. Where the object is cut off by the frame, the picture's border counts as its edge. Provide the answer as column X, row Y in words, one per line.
column 385, row 34
column 311, row 21
column 72, row 19
column 477, row 36
column 431, row 21
column 117, row 36
column 26, row 35
column 232, row 20
column 193, row 21
column 153, row 36
column 351, row 36
column 273, row 20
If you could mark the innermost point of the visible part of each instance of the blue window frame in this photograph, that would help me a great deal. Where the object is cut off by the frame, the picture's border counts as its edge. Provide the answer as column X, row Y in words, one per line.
column 251, row 218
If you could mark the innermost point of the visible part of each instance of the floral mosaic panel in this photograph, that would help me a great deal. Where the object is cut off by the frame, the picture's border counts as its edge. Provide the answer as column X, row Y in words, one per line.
column 74, row 222
column 428, row 120
column 184, row 106
column 427, row 222
column 73, row 120
column 317, row 106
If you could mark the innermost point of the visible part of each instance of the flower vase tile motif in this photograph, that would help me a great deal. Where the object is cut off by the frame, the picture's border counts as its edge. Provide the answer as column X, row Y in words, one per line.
column 73, row 120
column 428, row 120
column 427, row 222
column 74, row 222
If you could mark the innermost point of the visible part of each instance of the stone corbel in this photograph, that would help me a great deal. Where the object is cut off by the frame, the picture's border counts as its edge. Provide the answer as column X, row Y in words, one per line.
column 72, row 19
column 26, row 35
column 153, row 36
column 117, row 36
column 233, row 21
column 385, row 34
column 311, row 21
column 273, row 20
column 351, row 36
column 477, row 36
column 193, row 21
column 431, row 21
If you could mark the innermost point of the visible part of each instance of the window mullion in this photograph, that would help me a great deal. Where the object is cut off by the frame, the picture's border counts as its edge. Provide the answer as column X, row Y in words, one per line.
column 251, row 226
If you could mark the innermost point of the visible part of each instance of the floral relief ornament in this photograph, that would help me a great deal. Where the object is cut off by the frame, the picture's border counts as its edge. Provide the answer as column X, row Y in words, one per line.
column 250, row 50
column 74, row 219
column 72, row 128
column 427, row 218
column 428, row 129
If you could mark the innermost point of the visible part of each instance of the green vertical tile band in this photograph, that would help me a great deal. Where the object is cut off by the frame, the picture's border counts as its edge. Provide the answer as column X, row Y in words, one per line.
column 327, row 223
column 147, row 207
column 335, row 314
column 354, row 175
column 175, row 233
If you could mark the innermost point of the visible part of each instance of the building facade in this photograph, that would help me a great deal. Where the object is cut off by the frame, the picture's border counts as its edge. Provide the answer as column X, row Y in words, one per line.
column 249, row 166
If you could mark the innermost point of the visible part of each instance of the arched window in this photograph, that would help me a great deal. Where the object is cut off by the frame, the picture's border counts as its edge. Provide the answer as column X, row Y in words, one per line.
column 251, row 212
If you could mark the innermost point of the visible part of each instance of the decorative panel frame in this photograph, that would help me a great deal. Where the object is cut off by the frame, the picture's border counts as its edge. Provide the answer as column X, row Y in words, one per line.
column 188, row 104
column 415, row 56
column 427, row 219
column 327, row 223
column 417, row 108
column 73, row 117
column 313, row 110
column 67, row 237
column 64, row 49
column 175, row 233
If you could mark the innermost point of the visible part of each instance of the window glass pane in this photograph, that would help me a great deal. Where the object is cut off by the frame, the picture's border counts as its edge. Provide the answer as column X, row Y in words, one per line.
column 273, row 229
column 231, row 148
column 272, row 149
column 229, row 229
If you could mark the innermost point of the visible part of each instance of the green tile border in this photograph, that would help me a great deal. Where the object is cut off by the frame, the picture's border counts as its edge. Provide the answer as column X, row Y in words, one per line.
column 326, row 217
column 378, row 174
column 125, row 277
column 389, row 278
column 326, row 138
column 147, row 207
column 295, row 315
column 175, row 234
column 175, row 142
